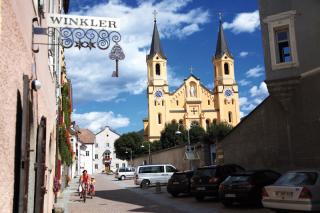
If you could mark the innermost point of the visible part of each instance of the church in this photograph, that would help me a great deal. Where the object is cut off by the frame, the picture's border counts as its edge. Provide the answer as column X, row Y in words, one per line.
column 192, row 103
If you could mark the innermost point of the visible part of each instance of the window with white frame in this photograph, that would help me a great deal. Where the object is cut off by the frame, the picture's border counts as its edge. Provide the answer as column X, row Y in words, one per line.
column 282, row 40
column 96, row 156
column 87, row 153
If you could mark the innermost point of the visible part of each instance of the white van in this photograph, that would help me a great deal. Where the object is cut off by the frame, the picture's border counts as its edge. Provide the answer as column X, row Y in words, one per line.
column 151, row 174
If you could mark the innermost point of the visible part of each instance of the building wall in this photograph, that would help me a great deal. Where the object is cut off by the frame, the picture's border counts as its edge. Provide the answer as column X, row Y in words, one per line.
column 86, row 162
column 174, row 156
column 105, row 140
column 16, row 60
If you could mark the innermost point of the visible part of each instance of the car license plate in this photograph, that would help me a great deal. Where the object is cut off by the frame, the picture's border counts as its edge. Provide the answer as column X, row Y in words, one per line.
column 284, row 194
column 201, row 188
column 230, row 195
column 175, row 182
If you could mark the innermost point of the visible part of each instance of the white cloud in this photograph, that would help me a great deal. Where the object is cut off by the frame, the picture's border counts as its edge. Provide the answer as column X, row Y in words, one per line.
column 244, row 22
column 244, row 82
column 243, row 54
column 243, row 101
column 255, row 72
column 90, row 71
column 120, row 100
column 97, row 120
column 260, row 91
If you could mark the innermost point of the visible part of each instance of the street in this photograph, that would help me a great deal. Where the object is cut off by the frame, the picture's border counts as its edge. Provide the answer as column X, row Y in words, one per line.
column 123, row 196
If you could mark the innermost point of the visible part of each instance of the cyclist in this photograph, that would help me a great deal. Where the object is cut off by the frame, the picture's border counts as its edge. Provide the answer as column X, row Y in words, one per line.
column 92, row 186
column 84, row 181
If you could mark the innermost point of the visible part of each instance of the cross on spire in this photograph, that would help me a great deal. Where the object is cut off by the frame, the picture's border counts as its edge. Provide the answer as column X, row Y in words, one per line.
column 191, row 69
column 220, row 16
column 155, row 15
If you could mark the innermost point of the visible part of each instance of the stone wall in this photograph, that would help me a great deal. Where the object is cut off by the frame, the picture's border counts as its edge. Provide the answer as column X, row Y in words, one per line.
column 174, row 156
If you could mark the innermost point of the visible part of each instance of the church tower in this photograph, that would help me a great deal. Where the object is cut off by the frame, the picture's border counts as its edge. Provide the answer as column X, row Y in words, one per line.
column 157, row 87
column 225, row 86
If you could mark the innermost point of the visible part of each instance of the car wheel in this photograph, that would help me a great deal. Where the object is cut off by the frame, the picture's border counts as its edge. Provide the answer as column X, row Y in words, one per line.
column 199, row 198
column 144, row 184
column 122, row 177
column 174, row 194
column 227, row 203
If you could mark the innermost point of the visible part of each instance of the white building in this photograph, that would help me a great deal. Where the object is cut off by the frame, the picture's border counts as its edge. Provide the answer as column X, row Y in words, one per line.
column 86, row 151
column 105, row 157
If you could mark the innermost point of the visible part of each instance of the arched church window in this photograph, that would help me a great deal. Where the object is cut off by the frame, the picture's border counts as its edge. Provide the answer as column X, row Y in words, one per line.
column 181, row 122
column 157, row 69
column 226, row 68
column 230, row 116
column 174, row 121
column 207, row 123
column 194, row 123
column 208, row 102
column 159, row 118
column 214, row 121
column 177, row 102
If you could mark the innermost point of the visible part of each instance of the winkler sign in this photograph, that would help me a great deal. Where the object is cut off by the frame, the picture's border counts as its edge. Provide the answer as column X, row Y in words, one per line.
column 72, row 21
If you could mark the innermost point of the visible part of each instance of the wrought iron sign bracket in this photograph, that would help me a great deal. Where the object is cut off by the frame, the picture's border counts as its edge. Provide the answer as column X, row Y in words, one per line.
column 81, row 38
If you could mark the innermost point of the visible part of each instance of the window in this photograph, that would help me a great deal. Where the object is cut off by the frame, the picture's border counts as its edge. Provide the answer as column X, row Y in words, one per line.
column 208, row 102
column 162, row 102
column 230, row 116
column 207, row 123
column 214, row 121
column 159, row 118
column 108, row 144
column 226, row 68
column 194, row 123
column 117, row 165
column 170, row 169
column 157, row 69
column 155, row 103
column 177, row 102
column 283, row 51
column 123, row 165
column 282, row 40
column 96, row 145
column 96, row 166
column 173, row 121
column 181, row 122
column 96, row 156
column 87, row 153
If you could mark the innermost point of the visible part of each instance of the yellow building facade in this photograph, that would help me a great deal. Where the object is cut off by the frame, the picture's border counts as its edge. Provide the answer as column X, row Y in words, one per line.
column 192, row 103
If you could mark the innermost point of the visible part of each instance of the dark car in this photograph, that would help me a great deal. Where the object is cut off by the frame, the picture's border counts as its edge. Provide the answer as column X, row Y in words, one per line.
column 179, row 183
column 246, row 187
column 206, row 180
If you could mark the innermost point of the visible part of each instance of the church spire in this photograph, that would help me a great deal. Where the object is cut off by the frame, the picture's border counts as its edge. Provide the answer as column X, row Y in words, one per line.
column 155, row 44
column 222, row 46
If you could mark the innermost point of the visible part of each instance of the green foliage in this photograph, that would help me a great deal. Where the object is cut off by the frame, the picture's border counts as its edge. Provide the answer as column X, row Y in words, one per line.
column 216, row 132
column 66, row 104
column 169, row 136
column 197, row 134
column 126, row 142
column 65, row 154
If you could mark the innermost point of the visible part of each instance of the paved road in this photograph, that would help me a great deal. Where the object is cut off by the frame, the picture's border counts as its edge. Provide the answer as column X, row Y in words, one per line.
column 123, row 196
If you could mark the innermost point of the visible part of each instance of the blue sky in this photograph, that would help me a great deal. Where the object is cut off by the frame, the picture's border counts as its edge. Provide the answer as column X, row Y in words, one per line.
column 188, row 31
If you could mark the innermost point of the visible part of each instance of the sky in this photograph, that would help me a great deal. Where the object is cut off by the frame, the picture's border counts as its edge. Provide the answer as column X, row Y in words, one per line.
column 188, row 32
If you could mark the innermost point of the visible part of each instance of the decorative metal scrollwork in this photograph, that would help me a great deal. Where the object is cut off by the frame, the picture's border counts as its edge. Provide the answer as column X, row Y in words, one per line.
column 116, row 54
column 85, row 38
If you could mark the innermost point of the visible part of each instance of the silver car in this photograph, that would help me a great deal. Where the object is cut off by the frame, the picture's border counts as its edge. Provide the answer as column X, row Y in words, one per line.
column 151, row 174
column 295, row 190
column 124, row 173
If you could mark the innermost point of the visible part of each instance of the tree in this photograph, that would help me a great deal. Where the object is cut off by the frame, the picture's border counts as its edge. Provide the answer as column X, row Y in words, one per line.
column 169, row 136
column 196, row 134
column 216, row 132
column 126, row 142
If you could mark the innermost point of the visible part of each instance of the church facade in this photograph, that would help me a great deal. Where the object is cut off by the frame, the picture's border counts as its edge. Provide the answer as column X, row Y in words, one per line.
column 192, row 103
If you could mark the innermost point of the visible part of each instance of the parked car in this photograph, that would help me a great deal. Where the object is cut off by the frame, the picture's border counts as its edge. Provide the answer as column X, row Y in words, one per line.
column 246, row 187
column 151, row 174
column 180, row 183
column 206, row 180
column 124, row 173
column 295, row 190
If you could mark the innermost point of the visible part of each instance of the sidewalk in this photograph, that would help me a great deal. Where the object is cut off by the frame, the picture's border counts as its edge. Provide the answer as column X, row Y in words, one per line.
column 62, row 202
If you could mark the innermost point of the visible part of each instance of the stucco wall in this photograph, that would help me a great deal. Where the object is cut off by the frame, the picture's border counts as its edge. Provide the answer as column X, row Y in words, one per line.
column 279, row 139
column 16, row 60
column 174, row 156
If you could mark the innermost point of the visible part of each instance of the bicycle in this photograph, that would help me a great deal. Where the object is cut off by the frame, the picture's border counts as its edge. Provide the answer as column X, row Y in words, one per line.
column 84, row 192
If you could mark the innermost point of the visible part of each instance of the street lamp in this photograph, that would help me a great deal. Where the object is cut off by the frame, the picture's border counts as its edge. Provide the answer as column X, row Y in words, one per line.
column 130, row 154
column 178, row 132
column 149, row 152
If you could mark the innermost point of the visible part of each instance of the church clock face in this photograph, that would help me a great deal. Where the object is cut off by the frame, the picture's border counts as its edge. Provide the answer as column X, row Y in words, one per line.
column 228, row 93
column 158, row 94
